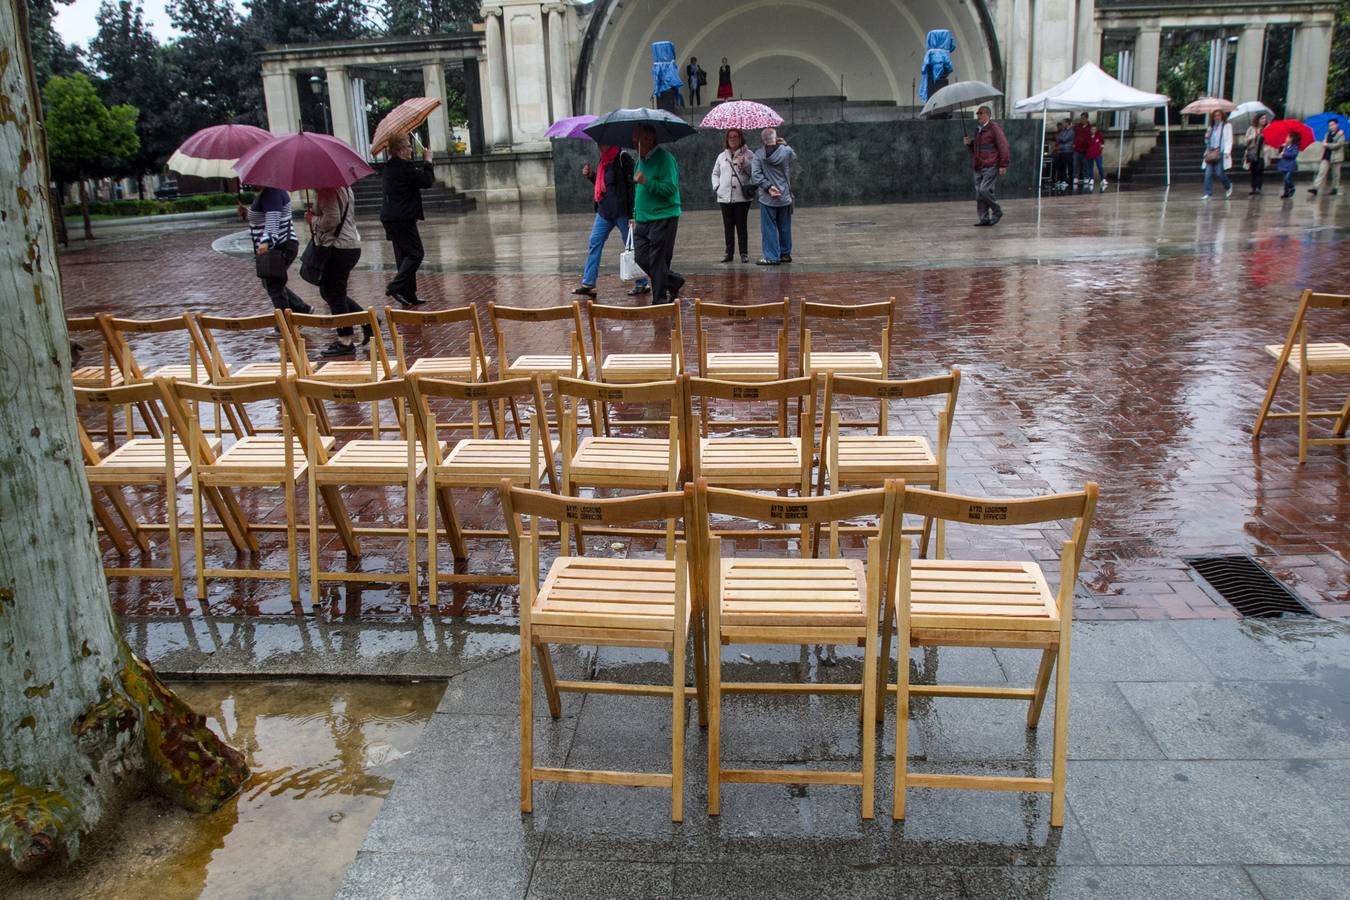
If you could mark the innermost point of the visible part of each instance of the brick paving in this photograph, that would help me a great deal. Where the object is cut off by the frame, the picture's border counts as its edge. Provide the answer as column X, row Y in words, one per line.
column 1141, row 372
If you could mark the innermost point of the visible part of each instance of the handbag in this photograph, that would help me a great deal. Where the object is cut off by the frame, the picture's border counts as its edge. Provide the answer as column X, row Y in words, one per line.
column 314, row 261
column 629, row 270
column 272, row 264
column 747, row 190
column 1213, row 155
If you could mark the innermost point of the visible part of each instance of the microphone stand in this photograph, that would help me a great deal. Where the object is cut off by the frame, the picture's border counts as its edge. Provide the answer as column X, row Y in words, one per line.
column 792, row 103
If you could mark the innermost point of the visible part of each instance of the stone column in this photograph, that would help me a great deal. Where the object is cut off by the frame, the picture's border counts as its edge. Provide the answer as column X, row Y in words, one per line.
column 339, row 102
column 1147, row 48
column 1088, row 39
column 1017, row 42
column 1308, row 65
column 282, row 99
column 1247, row 79
column 527, row 74
column 438, row 124
column 498, row 103
column 1056, row 28
column 559, row 63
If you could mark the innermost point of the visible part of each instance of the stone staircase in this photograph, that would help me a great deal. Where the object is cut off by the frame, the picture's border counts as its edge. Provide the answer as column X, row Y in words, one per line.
column 1150, row 170
column 437, row 200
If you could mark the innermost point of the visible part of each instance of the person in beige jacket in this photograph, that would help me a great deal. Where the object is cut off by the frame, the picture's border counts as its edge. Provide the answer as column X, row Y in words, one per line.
column 1333, row 155
column 333, row 222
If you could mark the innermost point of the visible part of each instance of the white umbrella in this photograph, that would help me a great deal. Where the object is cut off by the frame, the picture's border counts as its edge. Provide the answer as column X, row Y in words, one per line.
column 959, row 96
column 1245, row 113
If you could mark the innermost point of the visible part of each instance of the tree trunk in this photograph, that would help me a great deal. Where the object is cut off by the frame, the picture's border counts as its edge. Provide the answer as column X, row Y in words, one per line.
column 82, row 722
column 59, row 209
column 84, row 210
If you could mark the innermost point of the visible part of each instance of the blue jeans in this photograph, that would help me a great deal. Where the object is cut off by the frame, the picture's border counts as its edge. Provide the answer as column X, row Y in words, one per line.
column 775, row 231
column 1213, row 170
column 1096, row 164
column 600, row 230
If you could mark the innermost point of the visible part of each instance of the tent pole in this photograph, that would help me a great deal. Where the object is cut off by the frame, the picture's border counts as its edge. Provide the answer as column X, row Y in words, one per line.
column 1040, row 157
column 1167, row 143
column 1120, row 154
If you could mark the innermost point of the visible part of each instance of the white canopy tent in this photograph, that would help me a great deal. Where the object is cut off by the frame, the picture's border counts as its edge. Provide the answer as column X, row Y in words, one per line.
column 1090, row 89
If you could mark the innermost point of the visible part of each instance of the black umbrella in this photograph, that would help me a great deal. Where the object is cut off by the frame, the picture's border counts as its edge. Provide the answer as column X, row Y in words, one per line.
column 616, row 128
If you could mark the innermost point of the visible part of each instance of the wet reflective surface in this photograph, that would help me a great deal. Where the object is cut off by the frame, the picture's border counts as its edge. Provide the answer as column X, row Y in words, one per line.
column 324, row 756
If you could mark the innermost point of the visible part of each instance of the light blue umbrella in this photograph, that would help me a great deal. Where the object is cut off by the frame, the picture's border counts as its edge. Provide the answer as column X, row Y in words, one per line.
column 1319, row 122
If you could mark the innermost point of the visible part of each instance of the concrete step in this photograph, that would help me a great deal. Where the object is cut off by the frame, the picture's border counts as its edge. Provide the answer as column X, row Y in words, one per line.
column 436, row 200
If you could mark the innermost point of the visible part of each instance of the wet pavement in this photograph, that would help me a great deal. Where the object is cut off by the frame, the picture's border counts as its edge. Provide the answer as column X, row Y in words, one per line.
column 1117, row 338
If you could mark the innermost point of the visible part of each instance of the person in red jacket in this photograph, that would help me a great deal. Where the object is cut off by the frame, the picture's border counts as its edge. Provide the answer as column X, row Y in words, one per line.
column 989, row 157
column 1082, row 136
column 1096, row 140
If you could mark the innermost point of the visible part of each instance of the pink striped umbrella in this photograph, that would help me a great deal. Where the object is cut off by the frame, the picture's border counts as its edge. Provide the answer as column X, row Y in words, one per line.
column 1206, row 105
column 741, row 114
column 295, row 162
column 211, row 152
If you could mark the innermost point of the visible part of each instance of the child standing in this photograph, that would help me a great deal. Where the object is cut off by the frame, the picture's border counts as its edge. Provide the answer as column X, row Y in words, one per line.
column 1288, row 164
column 1094, row 157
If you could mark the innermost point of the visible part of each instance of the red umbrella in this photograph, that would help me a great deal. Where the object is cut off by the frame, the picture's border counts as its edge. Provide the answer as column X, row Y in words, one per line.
column 1276, row 132
column 294, row 162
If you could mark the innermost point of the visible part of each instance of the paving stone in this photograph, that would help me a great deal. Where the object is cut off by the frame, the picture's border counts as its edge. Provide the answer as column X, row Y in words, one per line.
column 769, row 879
column 1304, row 882
column 1071, row 882
column 1270, row 649
column 401, row 875
column 578, row 878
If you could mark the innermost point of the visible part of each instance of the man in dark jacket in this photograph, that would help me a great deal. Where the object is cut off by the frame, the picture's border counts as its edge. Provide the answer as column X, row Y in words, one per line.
column 403, row 182
column 989, row 157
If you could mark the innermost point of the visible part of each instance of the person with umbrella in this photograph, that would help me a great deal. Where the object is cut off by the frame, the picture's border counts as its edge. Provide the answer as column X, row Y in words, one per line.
column 1333, row 156
column 989, row 157
column 613, row 179
column 403, row 181
column 333, row 225
column 771, row 170
column 271, row 226
column 734, row 188
column 1218, row 153
column 656, row 210
column 1256, row 152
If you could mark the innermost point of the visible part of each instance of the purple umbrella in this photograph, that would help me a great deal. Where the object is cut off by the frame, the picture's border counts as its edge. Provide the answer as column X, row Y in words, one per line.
column 571, row 127
column 295, row 162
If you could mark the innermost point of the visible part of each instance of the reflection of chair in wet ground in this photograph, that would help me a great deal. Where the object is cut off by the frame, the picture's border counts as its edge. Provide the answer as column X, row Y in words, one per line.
column 572, row 364
column 619, row 461
column 359, row 462
column 797, row 602
column 599, row 602
column 995, row 604
column 867, row 460
column 1308, row 359
column 475, row 462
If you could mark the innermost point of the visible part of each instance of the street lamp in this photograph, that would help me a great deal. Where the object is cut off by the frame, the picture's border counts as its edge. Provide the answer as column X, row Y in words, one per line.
column 316, row 84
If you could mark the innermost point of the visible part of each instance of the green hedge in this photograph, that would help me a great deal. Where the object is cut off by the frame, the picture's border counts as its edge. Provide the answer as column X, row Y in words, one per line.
column 195, row 203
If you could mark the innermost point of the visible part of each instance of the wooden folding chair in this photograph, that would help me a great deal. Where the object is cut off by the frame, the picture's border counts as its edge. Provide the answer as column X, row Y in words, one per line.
column 637, row 368
column 742, row 365
column 864, row 363
column 343, row 371
column 235, row 330
column 778, row 462
column 573, row 364
column 610, row 461
column 600, row 602
column 371, row 462
column 776, row 600
column 476, row 462
column 998, row 604
column 1305, row 360
column 100, row 375
column 254, row 461
column 868, row 460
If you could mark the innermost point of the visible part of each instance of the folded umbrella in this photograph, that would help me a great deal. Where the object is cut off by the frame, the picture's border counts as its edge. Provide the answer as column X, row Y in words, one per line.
column 741, row 114
column 402, row 119
column 1276, row 132
column 1319, row 122
column 571, row 128
column 295, row 162
column 1206, row 105
column 959, row 96
column 211, row 152
column 1244, row 114
column 616, row 128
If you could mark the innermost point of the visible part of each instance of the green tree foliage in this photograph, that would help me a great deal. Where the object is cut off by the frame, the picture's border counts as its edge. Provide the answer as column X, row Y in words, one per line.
column 1183, row 72
column 50, row 55
column 1338, row 84
column 85, row 138
column 411, row 17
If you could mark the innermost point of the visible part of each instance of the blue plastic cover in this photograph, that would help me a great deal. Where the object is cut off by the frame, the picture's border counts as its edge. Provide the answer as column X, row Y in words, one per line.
column 937, row 62
column 665, row 73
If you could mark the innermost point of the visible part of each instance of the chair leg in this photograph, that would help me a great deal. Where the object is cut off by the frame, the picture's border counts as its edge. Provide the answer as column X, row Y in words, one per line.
column 313, row 540
column 199, row 539
column 1270, row 397
column 292, row 541
column 123, row 510
column 869, row 722
column 550, row 681
column 175, row 551
column 433, row 540
column 410, row 501
column 1343, row 420
column 1303, row 415
column 714, row 723
column 923, row 539
column 679, row 643
column 526, row 719
column 1061, row 741
column 901, row 729
column 700, row 668
column 1042, row 687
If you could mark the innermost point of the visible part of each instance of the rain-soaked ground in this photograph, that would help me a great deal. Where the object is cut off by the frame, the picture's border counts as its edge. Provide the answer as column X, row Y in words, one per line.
column 324, row 756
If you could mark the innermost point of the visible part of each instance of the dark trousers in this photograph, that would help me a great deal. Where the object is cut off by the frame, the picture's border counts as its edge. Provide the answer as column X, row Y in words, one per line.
column 1063, row 167
column 735, row 217
column 333, row 287
column 407, row 256
column 1258, row 172
column 282, row 296
column 654, row 247
column 696, row 95
column 985, row 202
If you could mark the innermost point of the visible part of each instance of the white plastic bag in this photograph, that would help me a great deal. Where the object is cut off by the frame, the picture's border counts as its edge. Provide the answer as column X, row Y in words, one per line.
column 629, row 270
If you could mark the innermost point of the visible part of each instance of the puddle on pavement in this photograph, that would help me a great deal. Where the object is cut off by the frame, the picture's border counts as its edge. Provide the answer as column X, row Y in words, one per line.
column 323, row 755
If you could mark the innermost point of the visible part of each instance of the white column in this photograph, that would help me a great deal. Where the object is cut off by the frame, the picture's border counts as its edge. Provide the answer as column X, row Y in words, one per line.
column 1056, row 32
column 1087, row 40
column 559, row 63
column 1017, row 42
column 360, row 121
column 1308, row 65
column 283, row 102
column 527, row 75
column 1247, row 80
column 339, row 102
column 1147, row 48
column 438, row 124
column 500, row 120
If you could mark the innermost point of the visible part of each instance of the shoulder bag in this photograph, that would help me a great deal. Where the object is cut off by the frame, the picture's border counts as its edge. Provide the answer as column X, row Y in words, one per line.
column 314, row 261
column 271, row 264
column 747, row 190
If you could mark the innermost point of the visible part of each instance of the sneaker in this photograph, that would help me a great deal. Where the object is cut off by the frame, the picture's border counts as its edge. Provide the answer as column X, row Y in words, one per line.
column 1227, row 193
column 766, row 262
column 338, row 348
column 786, row 257
column 745, row 257
column 584, row 290
column 727, row 258
column 996, row 218
column 410, row 300
column 1206, row 197
column 638, row 290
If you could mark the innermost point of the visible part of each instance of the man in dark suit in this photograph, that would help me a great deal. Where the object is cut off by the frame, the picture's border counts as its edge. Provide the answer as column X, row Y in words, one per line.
column 403, row 182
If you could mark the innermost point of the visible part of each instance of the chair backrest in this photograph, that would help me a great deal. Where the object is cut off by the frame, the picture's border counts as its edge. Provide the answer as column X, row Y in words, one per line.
column 143, row 393
column 402, row 321
column 89, row 325
column 1298, row 329
column 423, row 388
column 804, row 388
column 836, row 312
column 537, row 316
column 312, row 394
column 735, row 314
column 182, row 401
column 657, row 313
column 379, row 362
column 118, row 332
column 884, row 390
column 208, row 326
column 604, row 394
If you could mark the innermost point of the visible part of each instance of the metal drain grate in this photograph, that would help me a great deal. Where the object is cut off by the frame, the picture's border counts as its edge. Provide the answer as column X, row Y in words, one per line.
column 1241, row 582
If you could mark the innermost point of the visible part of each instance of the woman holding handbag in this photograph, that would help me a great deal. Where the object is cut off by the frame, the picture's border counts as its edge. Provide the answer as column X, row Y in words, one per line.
column 335, row 248
column 1218, row 153
column 732, row 184
column 271, row 227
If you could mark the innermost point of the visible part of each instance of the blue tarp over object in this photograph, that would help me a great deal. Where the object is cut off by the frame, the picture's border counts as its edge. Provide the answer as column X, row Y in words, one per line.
column 665, row 74
column 937, row 62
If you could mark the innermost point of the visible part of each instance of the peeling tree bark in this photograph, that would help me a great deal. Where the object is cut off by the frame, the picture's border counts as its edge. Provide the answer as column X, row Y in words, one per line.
column 82, row 721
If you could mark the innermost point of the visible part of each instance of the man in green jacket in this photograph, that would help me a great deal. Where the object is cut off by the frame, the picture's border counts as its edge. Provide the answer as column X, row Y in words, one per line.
column 656, row 212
